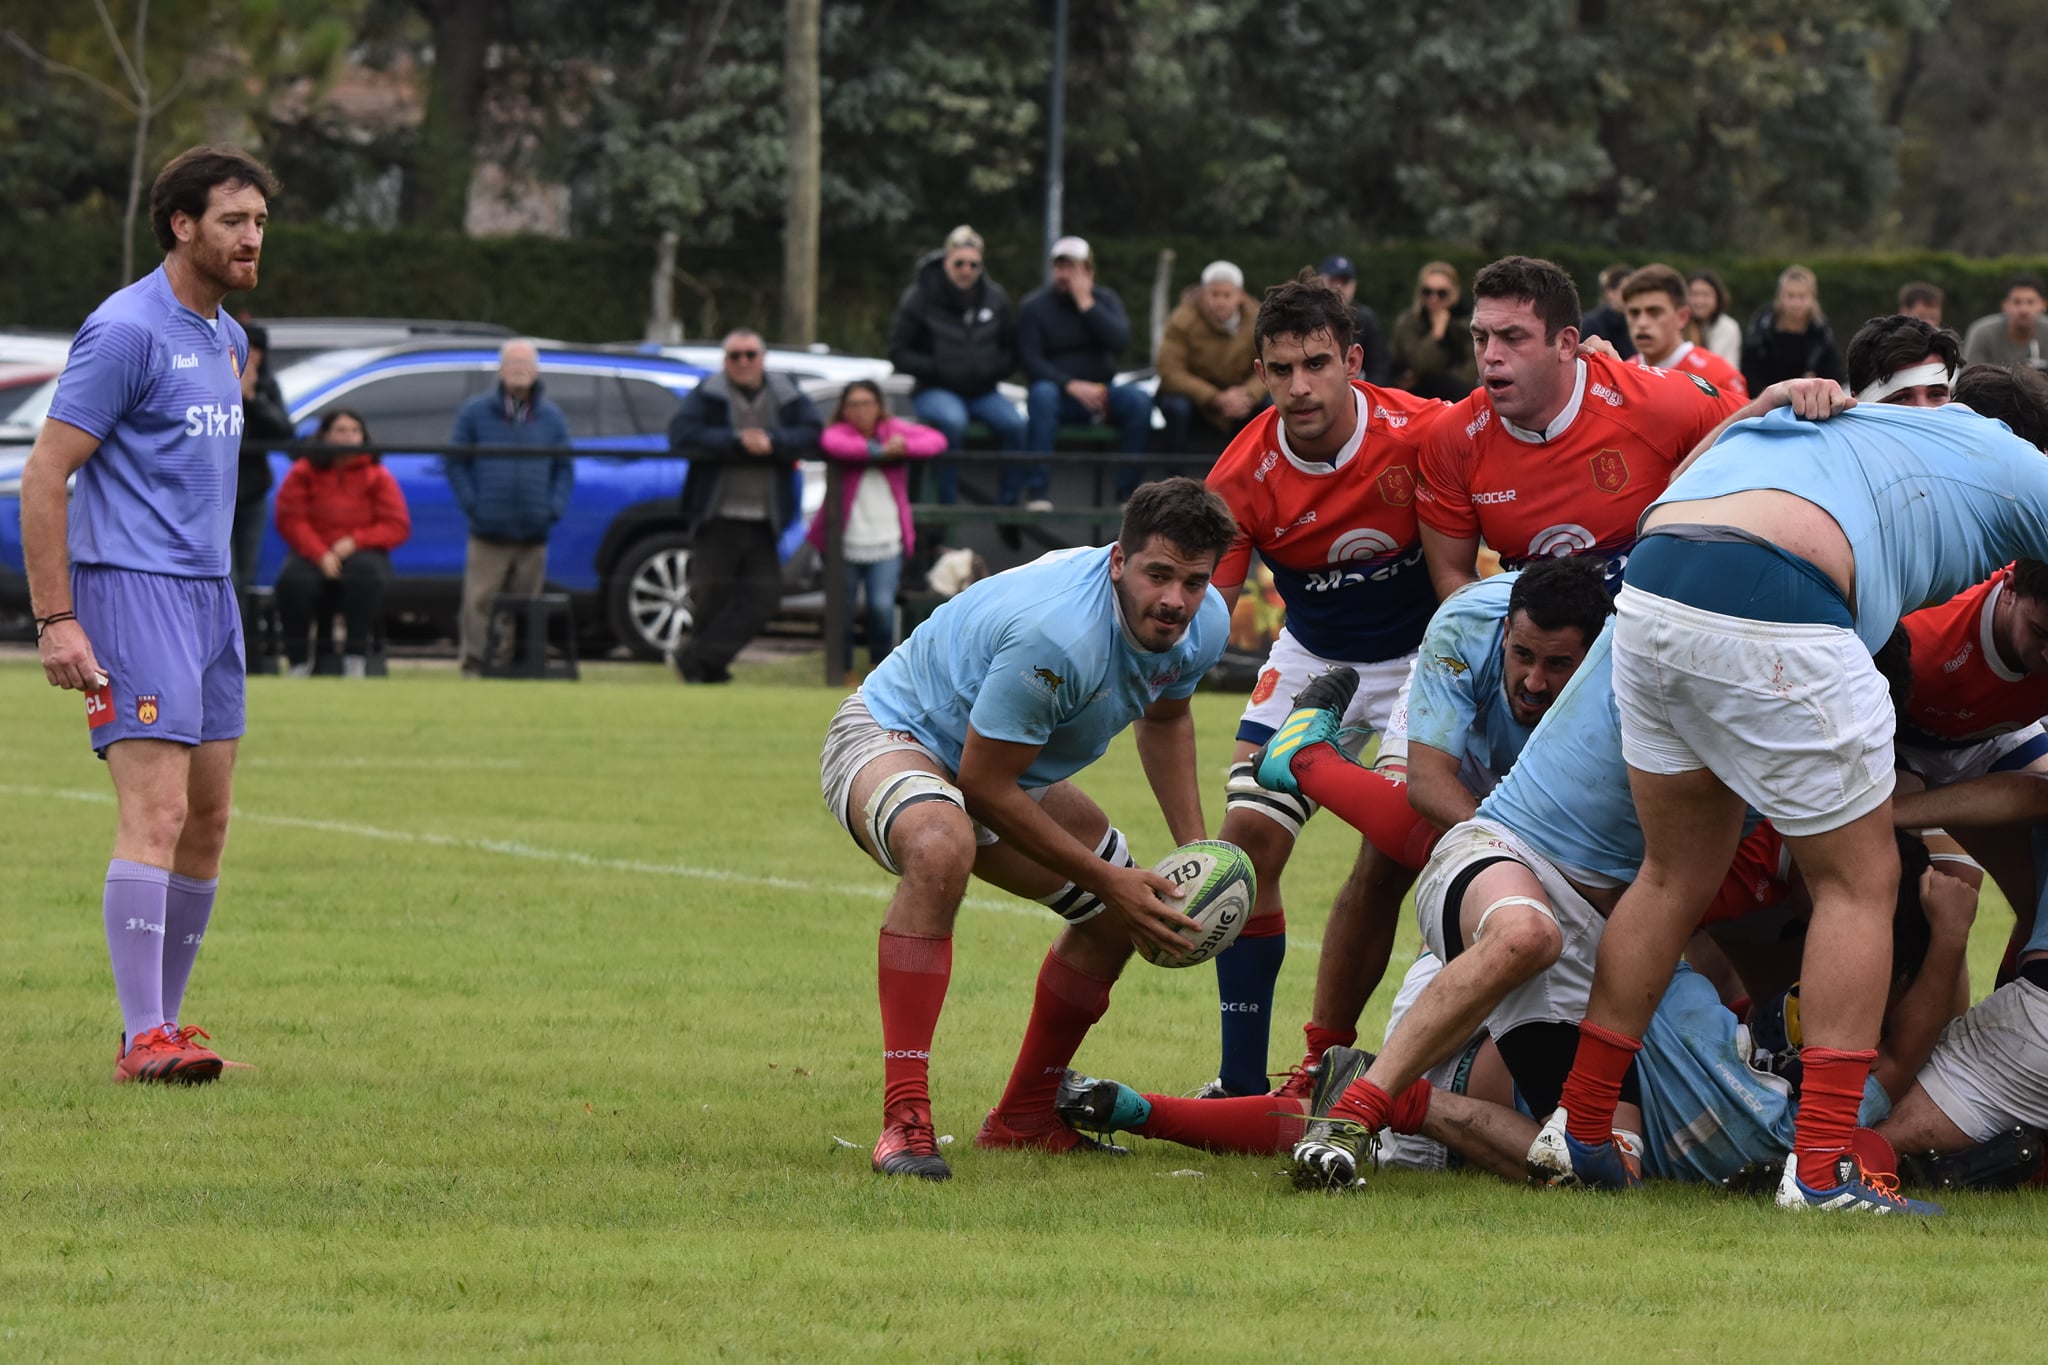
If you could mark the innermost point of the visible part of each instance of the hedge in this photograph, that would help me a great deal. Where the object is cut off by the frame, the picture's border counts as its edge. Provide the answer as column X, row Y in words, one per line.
column 595, row 289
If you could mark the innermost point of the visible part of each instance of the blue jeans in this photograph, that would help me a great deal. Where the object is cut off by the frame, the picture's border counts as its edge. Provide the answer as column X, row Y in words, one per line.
column 950, row 413
column 880, row 580
column 1050, row 407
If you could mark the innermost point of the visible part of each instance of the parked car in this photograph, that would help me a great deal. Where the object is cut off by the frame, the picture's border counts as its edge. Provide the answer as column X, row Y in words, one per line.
column 296, row 339
column 621, row 553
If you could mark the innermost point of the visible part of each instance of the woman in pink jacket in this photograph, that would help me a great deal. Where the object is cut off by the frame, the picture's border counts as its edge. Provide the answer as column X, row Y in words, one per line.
column 876, row 509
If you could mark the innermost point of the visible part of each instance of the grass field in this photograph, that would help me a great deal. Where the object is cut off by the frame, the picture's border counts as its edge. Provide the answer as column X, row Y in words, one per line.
column 560, row 999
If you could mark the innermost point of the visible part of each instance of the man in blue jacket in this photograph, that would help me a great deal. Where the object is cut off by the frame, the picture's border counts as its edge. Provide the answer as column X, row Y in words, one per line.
column 511, row 502
column 1069, row 335
column 743, row 430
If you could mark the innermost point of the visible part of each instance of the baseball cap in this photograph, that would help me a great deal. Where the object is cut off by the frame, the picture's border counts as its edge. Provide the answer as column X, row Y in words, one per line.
column 1071, row 249
column 1337, row 268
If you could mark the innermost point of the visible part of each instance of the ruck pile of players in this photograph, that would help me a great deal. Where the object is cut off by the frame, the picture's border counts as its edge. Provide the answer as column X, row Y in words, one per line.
column 1695, row 799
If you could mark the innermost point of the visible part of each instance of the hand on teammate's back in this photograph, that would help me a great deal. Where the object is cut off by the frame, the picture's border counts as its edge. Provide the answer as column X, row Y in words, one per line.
column 1816, row 400
column 1950, row 904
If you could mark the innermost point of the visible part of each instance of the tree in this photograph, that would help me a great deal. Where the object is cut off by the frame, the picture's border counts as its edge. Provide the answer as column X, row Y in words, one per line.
column 436, row 194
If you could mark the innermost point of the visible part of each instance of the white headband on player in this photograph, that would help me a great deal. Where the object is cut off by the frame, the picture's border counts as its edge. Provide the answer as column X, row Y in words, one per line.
column 1926, row 372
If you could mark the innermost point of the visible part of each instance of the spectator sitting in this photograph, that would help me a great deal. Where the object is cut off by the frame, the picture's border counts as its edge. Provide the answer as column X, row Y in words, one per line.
column 954, row 334
column 263, row 419
column 876, row 509
column 2012, row 335
column 1206, row 368
column 1339, row 274
column 1712, row 327
column 511, row 502
column 1432, row 341
column 1610, row 319
column 1069, row 335
column 1789, row 337
column 1921, row 300
column 755, row 426
column 341, row 514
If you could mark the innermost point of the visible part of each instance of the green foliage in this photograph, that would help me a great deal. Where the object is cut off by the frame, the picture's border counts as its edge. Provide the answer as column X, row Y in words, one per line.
column 553, row 1029
column 595, row 289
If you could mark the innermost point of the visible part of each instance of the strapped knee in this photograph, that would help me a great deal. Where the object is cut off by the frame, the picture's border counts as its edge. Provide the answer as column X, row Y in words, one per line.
column 896, row 794
column 1074, row 905
column 1243, row 792
column 1484, row 915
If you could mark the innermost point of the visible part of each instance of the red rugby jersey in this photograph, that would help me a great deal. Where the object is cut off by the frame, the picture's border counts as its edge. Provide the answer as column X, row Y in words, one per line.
column 1340, row 538
column 1962, row 690
column 1699, row 360
column 1757, row 880
column 1580, row 488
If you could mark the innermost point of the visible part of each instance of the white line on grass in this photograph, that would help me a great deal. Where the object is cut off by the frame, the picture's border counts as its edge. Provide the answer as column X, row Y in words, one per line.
column 513, row 849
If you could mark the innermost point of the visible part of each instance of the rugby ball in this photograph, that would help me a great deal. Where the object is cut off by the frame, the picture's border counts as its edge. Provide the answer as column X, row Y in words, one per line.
column 1220, row 886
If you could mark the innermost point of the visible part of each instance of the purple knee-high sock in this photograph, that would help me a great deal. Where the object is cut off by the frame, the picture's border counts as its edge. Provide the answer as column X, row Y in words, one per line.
column 134, row 909
column 187, row 906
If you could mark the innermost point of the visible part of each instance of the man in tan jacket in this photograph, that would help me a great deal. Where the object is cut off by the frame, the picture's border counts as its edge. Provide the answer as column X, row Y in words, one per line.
column 1205, row 363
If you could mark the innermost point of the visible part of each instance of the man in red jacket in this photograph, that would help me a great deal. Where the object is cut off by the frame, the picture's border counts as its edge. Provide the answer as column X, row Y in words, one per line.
column 341, row 515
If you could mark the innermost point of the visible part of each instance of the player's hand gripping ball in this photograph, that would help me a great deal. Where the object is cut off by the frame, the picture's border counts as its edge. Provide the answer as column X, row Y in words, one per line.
column 1220, row 887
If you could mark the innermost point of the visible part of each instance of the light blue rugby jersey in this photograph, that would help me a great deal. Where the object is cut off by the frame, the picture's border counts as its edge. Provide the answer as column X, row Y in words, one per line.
column 1568, row 795
column 1457, row 704
column 1037, row 655
column 1931, row 500
column 161, row 388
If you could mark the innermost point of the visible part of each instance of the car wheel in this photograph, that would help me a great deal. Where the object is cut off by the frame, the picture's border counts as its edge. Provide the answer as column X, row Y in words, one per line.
column 649, row 595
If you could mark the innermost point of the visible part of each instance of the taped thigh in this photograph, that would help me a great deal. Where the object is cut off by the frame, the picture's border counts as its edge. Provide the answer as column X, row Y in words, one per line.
column 897, row 793
column 1243, row 792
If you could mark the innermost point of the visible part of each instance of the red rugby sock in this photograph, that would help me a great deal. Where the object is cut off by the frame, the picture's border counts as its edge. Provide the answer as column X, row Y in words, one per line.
column 1830, row 1093
column 1364, row 1103
column 1321, row 1040
column 1067, row 1004
column 911, row 972
column 1371, row 803
column 1594, row 1087
column 1257, row 1124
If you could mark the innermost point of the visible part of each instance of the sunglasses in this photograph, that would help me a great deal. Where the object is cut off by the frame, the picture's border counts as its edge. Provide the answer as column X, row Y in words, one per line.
column 964, row 264
column 742, row 355
column 1436, row 293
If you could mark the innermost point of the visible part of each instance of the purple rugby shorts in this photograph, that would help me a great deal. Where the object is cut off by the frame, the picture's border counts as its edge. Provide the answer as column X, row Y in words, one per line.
column 172, row 652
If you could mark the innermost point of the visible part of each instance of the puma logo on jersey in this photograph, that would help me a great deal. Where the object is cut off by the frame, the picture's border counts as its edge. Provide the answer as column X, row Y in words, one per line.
column 1051, row 679
column 1457, row 668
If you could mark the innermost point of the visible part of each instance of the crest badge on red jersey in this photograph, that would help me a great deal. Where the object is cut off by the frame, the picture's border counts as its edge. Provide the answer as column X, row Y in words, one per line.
column 1269, row 681
column 1610, row 471
column 1397, row 485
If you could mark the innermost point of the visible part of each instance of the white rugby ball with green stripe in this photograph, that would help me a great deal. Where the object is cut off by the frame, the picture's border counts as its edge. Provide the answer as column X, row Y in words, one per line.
column 1220, row 886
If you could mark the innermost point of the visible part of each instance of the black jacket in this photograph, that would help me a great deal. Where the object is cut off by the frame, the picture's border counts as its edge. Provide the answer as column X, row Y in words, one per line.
column 1057, row 341
column 961, row 340
column 263, row 419
column 1378, row 366
column 703, row 426
column 1612, row 324
column 1769, row 355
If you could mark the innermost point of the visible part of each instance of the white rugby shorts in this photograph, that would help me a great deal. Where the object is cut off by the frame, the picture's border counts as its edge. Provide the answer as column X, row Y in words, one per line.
column 1989, row 1071
column 1288, row 669
column 1793, row 718
column 1557, row 995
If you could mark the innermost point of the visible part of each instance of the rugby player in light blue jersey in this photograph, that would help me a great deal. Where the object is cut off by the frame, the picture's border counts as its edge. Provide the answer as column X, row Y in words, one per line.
column 130, row 585
column 954, row 759
column 1768, row 573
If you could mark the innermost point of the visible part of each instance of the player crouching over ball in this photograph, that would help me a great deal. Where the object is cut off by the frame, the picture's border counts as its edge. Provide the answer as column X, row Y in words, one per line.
column 954, row 758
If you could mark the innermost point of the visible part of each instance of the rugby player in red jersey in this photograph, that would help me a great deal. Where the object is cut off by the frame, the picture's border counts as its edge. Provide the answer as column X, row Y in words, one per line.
column 1558, row 452
column 1655, row 300
column 1323, row 486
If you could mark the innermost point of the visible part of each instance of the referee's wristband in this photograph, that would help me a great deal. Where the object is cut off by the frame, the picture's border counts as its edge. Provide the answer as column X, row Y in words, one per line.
column 52, row 619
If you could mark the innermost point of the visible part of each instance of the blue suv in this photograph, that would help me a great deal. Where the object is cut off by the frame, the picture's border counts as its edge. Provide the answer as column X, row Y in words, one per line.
column 621, row 552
